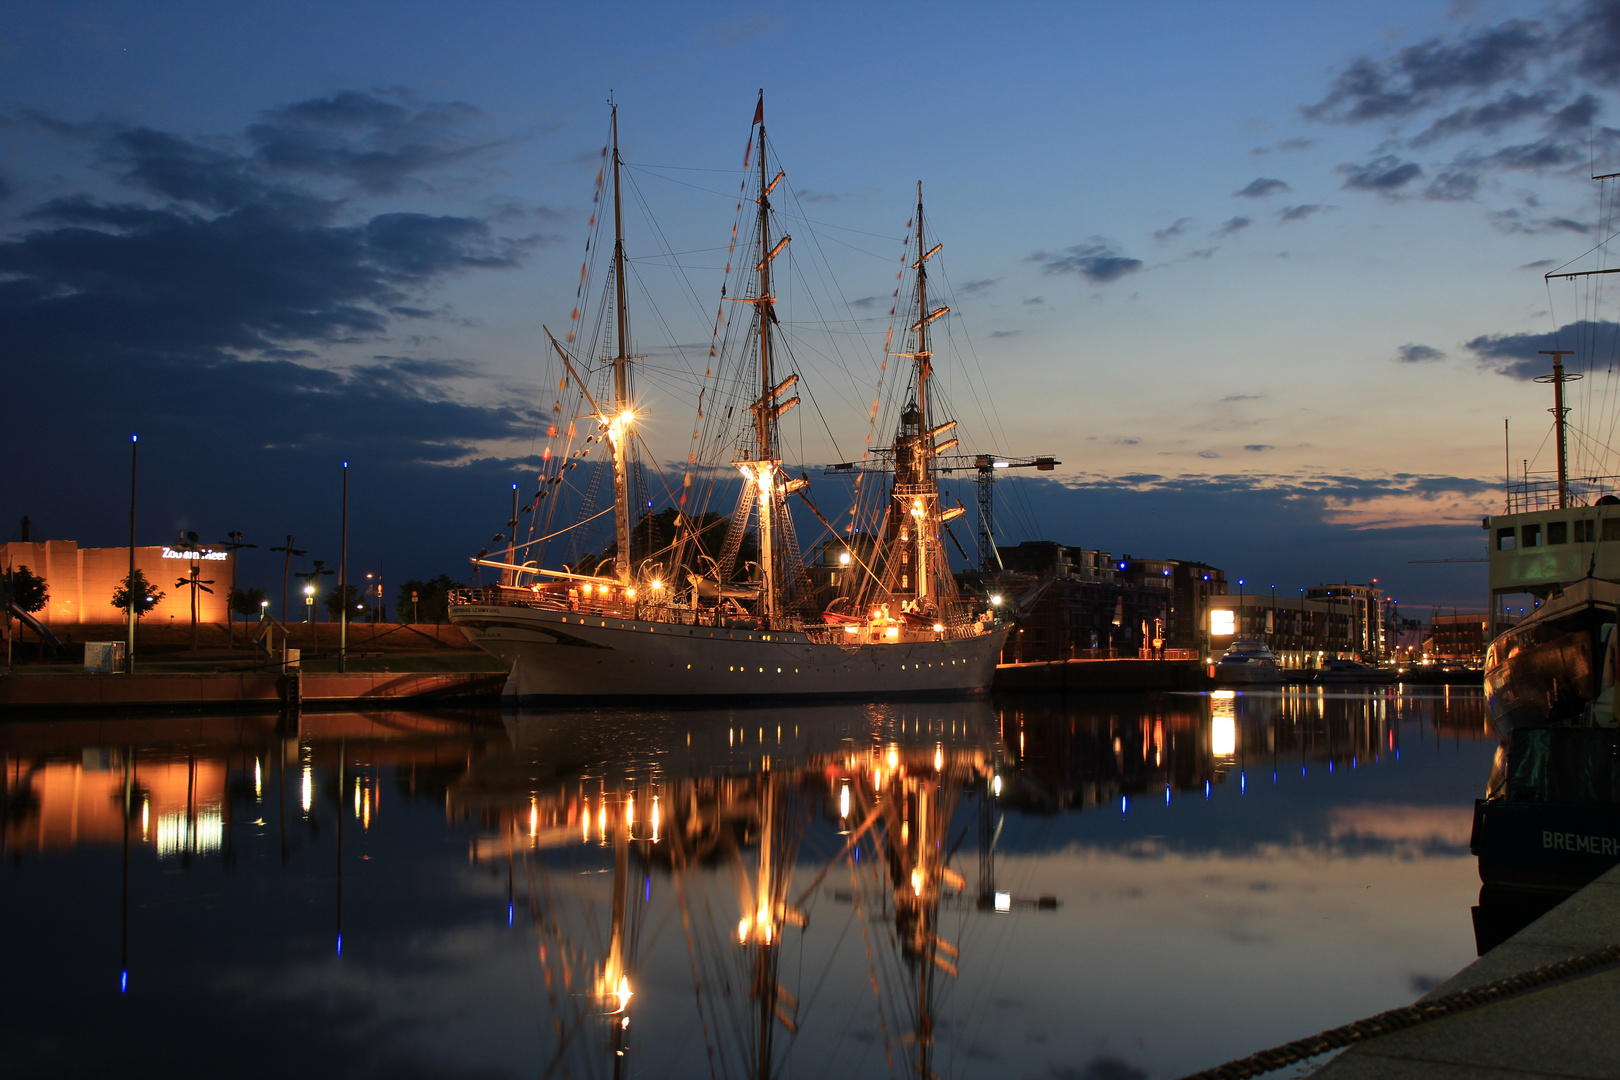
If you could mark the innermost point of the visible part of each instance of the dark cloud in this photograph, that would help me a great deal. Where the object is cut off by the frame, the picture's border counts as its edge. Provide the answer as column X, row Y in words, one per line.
column 1098, row 261
column 1418, row 354
column 1489, row 118
column 1386, row 174
column 1286, row 146
column 1539, row 264
column 1421, row 75
column 1518, row 356
column 1513, row 220
column 1453, row 185
column 1577, row 116
column 1035, row 300
column 1173, row 230
column 808, row 196
column 376, row 140
column 978, row 286
column 1242, row 397
column 1260, row 188
column 1234, row 224
column 1125, row 440
column 1538, row 156
column 1208, row 454
column 869, row 301
column 1300, row 213
column 5, row 188
column 1259, row 447
column 1005, row 333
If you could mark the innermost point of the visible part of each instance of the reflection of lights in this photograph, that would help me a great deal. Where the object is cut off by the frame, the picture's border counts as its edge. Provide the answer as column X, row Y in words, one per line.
column 623, row 993
column 1223, row 736
column 939, row 758
column 258, row 781
column 916, row 882
column 601, row 821
column 123, row 981
column 357, row 796
column 1223, row 695
column 178, row 835
column 657, row 818
column 146, row 816
column 894, row 758
column 306, row 791
column 630, row 814
column 1003, row 901
column 843, row 801
column 534, row 819
column 995, row 785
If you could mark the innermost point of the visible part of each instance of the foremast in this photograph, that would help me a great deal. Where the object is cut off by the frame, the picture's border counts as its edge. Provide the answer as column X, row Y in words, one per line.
column 763, row 474
column 618, row 421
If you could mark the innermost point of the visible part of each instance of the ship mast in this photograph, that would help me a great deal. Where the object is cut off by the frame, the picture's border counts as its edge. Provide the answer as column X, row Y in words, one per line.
column 923, row 497
column 1560, row 413
column 761, row 472
column 618, row 423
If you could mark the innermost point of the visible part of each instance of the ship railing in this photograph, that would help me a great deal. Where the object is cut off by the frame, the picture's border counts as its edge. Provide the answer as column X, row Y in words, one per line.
column 672, row 614
column 1541, row 493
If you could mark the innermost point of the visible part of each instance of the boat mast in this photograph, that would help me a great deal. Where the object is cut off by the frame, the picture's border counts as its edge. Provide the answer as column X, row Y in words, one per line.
column 618, row 424
column 1558, row 378
column 923, row 499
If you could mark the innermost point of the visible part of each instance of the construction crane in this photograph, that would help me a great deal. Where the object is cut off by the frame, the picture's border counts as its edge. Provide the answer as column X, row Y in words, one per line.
column 985, row 466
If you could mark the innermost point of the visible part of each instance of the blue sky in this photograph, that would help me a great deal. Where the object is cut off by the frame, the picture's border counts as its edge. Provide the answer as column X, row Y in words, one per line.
column 1266, row 277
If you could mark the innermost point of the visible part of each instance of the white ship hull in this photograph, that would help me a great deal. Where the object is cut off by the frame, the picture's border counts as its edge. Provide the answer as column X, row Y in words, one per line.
column 559, row 656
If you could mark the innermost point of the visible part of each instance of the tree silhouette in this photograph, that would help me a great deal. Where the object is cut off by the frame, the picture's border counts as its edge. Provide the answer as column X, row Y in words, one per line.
column 27, row 589
column 246, row 602
column 146, row 597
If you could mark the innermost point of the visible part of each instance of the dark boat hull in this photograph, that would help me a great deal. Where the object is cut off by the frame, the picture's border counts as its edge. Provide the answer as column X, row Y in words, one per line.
column 1546, row 670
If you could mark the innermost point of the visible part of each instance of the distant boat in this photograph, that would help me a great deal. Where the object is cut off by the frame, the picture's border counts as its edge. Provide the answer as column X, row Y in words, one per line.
column 1248, row 662
column 1337, row 671
column 676, row 621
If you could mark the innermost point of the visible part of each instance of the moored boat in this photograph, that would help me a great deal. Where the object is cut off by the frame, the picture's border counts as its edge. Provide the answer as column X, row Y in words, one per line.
column 1248, row 662
column 1337, row 672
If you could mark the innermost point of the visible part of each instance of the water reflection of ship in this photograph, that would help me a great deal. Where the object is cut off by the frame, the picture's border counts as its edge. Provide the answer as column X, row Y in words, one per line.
column 1144, row 745
column 889, row 778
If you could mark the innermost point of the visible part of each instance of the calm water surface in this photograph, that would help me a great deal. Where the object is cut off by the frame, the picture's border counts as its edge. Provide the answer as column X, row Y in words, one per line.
column 1105, row 887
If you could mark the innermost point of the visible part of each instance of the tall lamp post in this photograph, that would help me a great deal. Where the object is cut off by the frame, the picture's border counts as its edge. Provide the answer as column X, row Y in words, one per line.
column 343, row 577
column 129, row 585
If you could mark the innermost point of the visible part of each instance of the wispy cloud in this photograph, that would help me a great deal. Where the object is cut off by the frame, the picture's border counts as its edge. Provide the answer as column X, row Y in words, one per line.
column 1098, row 261
column 1260, row 188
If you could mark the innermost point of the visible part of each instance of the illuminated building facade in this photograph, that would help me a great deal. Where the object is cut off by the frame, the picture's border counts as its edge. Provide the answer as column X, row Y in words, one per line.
column 81, row 581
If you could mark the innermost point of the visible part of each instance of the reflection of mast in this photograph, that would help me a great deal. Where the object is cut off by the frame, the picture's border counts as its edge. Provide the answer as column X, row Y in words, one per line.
column 129, row 801
column 763, row 915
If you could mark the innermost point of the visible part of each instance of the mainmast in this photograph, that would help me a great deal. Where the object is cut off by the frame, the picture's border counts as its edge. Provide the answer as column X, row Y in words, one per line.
column 761, row 472
column 618, row 423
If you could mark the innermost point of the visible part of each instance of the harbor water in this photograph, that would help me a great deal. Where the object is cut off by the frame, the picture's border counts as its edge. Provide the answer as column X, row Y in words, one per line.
column 1099, row 887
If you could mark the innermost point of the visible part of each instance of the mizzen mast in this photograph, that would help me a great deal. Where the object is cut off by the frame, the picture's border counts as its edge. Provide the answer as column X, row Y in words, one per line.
column 619, row 421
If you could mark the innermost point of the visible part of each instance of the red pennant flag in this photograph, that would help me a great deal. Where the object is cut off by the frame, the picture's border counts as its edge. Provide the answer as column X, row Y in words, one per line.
column 759, row 110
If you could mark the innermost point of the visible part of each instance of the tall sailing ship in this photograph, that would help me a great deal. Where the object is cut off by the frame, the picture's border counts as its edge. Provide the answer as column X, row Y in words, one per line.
column 677, row 621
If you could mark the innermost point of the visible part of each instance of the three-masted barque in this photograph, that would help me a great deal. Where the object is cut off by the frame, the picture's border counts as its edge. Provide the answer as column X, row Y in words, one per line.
column 682, row 624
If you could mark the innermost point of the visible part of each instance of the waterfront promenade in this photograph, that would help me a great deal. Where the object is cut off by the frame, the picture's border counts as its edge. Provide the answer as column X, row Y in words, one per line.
column 1562, row 1029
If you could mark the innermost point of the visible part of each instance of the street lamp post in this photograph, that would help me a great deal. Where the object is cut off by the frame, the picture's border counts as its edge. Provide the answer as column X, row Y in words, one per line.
column 129, row 584
column 343, row 577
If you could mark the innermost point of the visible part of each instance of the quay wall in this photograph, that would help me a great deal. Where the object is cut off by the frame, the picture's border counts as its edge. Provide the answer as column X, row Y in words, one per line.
column 1128, row 674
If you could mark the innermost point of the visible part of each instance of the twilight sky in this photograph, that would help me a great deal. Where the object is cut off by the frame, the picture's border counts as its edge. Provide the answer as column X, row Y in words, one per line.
column 1265, row 277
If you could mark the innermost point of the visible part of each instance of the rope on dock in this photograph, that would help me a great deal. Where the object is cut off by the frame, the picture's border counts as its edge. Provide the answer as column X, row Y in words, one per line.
column 1407, row 1016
